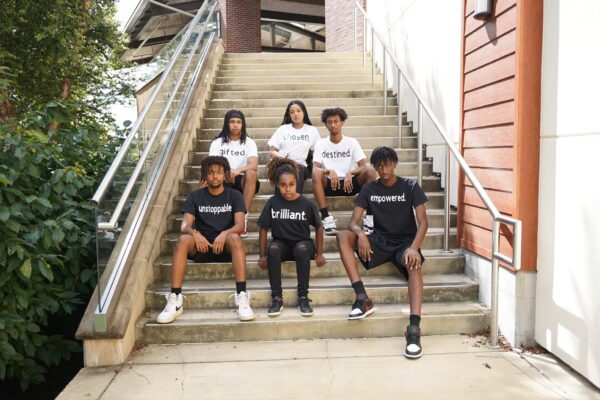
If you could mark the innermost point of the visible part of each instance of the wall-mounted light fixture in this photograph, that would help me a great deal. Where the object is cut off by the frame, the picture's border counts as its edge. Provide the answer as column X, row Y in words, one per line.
column 484, row 9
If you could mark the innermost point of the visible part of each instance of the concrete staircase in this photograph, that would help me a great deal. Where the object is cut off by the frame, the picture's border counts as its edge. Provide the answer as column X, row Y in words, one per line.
column 261, row 85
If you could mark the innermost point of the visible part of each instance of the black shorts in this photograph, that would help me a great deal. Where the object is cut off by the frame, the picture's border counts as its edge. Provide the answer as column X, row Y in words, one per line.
column 210, row 257
column 237, row 185
column 329, row 191
column 385, row 250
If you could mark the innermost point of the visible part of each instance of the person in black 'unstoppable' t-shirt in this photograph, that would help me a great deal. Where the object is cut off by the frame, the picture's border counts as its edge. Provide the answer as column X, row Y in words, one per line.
column 396, row 238
column 289, row 215
column 213, row 218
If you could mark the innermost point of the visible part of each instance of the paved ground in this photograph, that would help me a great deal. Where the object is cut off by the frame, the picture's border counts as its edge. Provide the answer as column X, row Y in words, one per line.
column 453, row 367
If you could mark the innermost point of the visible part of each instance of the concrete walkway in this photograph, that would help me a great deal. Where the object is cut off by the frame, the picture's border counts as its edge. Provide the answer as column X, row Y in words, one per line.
column 453, row 367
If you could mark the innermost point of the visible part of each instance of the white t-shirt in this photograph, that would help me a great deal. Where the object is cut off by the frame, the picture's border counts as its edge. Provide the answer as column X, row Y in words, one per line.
column 339, row 157
column 235, row 152
column 295, row 143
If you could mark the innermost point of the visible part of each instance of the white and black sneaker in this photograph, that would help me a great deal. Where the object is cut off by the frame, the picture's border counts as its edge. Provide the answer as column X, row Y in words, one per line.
column 368, row 225
column 413, row 342
column 329, row 225
column 361, row 308
column 304, row 306
column 276, row 307
column 172, row 310
column 242, row 302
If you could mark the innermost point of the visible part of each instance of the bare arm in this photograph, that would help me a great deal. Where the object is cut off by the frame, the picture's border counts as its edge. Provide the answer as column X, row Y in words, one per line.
column 187, row 225
column 423, row 226
column 274, row 152
column 362, row 165
column 251, row 166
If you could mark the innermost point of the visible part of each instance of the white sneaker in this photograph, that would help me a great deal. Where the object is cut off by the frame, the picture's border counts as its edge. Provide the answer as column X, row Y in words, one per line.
column 172, row 310
column 329, row 225
column 242, row 302
column 244, row 234
column 368, row 224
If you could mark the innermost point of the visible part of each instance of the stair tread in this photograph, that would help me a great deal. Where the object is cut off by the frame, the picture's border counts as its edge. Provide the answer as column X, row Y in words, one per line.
column 329, row 283
column 291, row 314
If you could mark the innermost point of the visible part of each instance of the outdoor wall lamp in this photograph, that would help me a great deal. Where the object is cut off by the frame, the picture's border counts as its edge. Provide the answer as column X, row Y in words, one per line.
column 483, row 9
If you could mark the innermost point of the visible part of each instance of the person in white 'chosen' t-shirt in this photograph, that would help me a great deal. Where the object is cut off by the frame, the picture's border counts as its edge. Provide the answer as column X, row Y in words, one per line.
column 333, row 161
column 240, row 150
column 294, row 139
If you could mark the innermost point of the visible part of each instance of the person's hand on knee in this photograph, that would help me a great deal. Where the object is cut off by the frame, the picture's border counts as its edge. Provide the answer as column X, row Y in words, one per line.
column 202, row 244
column 412, row 259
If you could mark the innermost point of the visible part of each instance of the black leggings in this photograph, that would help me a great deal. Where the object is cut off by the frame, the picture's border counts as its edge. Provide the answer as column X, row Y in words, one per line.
column 278, row 251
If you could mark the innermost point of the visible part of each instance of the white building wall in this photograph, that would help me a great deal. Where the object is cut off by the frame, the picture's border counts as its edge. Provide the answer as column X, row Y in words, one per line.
column 425, row 37
column 568, row 281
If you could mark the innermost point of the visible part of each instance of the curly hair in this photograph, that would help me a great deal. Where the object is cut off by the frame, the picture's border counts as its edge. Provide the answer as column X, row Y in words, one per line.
column 213, row 160
column 286, row 117
column 329, row 112
column 279, row 166
column 224, row 134
column 382, row 155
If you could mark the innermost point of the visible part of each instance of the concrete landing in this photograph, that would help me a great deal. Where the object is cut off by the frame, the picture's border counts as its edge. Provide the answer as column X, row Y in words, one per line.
column 453, row 367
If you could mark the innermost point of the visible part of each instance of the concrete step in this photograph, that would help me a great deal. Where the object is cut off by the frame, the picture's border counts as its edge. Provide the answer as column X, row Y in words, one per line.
column 296, row 94
column 293, row 70
column 255, row 86
column 296, row 60
column 408, row 168
column 365, row 142
column 390, row 320
column 430, row 184
column 355, row 121
column 435, row 219
column 357, row 132
column 264, row 157
column 323, row 291
column 436, row 262
column 277, row 55
column 313, row 112
column 433, row 240
column 310, row 101
column 338, row 78
column 304, row 66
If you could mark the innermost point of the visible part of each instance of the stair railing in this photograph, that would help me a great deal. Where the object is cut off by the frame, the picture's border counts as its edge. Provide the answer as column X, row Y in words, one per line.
column 127, row 191
column 497, row 217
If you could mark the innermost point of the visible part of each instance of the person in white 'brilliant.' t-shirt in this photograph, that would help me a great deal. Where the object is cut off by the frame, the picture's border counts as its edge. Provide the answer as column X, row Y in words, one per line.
column 333, row 167
column 240, row 150
column 294, row 139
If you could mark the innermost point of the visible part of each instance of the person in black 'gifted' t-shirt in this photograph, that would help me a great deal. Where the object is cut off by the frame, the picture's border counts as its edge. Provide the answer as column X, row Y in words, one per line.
column 213, row 218
column 396, row 238
column 289, row 215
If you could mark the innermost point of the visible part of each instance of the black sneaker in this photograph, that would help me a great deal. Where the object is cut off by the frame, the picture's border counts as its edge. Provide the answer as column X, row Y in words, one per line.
column 276, row 307
column 361, row 308
column 413, row 342
column 304, row 306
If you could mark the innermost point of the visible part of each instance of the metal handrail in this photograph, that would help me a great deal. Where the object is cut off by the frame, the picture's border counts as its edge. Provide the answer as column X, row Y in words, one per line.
column 115, row 279
column 110, row 174
column 498, row 218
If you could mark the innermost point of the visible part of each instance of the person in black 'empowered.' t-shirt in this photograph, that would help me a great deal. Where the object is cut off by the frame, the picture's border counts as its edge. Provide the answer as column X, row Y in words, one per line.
column 289, row 215
column 396, row 238
column 213, row 218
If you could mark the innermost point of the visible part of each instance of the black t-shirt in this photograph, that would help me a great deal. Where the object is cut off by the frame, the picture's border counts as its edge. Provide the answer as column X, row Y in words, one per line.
column 392, row 207
column 289, row 220
column 213, row 214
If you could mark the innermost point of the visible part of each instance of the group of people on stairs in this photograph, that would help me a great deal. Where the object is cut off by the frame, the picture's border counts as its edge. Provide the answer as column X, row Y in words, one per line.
column 215, row 217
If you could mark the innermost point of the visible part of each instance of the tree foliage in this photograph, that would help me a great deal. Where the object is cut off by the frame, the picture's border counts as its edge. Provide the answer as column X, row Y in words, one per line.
column 57, row 139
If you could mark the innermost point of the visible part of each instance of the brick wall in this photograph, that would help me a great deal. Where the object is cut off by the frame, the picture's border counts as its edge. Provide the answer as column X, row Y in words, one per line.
column 240, row 23
column 339, row 27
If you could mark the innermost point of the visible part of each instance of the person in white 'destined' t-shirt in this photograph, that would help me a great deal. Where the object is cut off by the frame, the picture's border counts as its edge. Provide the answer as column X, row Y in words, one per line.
column 240, row 150
column 333, row 172
column 295, row 139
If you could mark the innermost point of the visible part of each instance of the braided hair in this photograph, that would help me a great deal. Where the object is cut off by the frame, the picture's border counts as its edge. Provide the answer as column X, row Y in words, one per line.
column 280, row 166
column 213, row 160
column 224, row 134
column 382, row 155
column 286, row 117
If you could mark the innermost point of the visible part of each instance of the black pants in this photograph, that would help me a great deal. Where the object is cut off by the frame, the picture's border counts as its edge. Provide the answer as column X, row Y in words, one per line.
column 278, row 251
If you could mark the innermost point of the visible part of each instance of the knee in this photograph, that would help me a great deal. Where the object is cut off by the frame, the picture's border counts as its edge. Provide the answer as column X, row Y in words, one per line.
column 184, row 242
column 234, row 240
column 301, row 250
column 317, row 174
column 370, row 174
column 274, row 250
column 251, row 176
column 343, row 237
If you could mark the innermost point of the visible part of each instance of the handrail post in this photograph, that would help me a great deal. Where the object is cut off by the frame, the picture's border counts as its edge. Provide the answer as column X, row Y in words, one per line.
column 354, row 25
column 384, row 83
column 420, row 144
column 372, row 57
column 447, row 204
column 364, row 37
column 493, row 343
column 399, row 108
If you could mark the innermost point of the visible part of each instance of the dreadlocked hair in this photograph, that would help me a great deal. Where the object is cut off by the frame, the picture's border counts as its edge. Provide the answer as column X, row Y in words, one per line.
column 279, row 166
column 213, row 160
column 382, row 155
column 330, row 112
column 286, row 117
column 224, row 134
